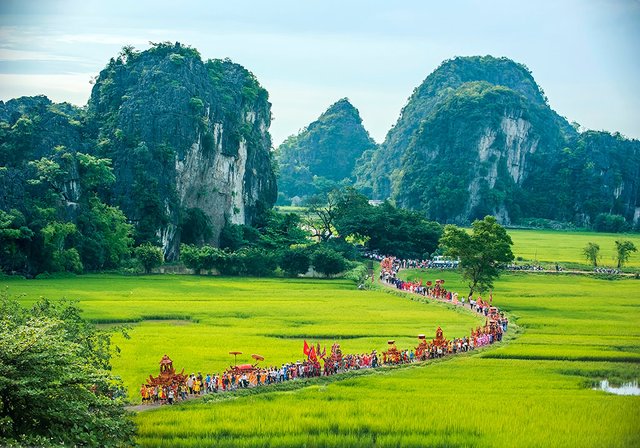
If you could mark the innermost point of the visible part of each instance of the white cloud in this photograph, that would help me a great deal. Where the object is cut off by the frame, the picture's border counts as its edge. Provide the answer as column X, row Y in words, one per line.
column 29, row 55
column 73, row 88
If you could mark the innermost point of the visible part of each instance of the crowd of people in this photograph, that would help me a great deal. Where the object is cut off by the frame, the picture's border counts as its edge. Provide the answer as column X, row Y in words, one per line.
column 324, row 364
column 610, row 271
column 437, row 262
column 390, row 266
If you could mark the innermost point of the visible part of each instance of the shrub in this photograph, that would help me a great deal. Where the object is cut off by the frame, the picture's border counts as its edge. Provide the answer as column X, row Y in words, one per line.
column 606, row 222
column 149, row 256
column 328, row 262
column 295, row 261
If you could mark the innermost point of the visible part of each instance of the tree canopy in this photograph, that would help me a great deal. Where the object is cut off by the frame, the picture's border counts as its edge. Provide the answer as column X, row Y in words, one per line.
column 482, row 252
column 55, row 381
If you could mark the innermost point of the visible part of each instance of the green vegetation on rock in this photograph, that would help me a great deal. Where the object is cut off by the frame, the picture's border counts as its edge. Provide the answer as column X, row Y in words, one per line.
column 478, row 137
column 323, row 155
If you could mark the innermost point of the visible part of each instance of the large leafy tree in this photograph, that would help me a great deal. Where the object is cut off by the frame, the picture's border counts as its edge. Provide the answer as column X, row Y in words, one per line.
column 482, row 252
column 623, row 251
column 385, row 228
column 99, row 233
column 592, row 253
column 56, row 387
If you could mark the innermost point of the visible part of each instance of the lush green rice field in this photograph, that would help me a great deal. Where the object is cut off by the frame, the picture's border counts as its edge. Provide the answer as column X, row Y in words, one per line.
column 550, row 246
column 198, row 320
column 533, row 391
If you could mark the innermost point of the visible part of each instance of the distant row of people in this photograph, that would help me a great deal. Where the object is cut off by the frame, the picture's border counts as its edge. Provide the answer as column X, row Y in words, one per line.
column 610, row 271
column 437, row 262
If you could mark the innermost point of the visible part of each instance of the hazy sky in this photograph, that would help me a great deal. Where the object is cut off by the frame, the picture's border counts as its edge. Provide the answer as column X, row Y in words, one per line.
column 308, row 54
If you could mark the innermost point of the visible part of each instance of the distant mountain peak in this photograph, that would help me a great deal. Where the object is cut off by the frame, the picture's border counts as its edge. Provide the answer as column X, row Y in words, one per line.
column 323, row 154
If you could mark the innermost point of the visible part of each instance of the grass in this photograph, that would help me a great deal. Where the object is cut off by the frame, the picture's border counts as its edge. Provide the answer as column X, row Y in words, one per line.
column 198, row 320
column 535, row 390
column 551, row 246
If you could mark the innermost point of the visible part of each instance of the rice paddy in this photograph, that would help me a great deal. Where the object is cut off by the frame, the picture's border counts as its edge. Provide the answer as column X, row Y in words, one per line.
column 534, row 390
column 198, row 320
column 565, row 248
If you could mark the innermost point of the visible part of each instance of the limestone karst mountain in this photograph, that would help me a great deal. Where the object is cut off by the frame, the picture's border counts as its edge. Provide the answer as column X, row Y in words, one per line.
column 188, row 141
column 323, row 154
column 478, row 137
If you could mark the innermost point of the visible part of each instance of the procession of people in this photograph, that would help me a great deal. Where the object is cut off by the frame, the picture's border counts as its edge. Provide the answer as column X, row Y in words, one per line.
column 170, row 387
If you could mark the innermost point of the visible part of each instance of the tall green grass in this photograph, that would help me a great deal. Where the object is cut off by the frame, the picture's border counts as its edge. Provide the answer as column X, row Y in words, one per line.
column 550, row 246
column 534, row 390
column 198, row 320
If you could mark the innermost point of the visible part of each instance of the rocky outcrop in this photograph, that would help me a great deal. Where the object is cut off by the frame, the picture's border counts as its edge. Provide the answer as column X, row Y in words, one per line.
column 324, row 154
column 478, row 137
column 184, row 134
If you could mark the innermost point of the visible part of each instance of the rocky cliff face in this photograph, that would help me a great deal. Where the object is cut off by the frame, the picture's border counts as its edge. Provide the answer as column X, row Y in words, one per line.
column 183, row 135
column 478, row 137
column 32, row 128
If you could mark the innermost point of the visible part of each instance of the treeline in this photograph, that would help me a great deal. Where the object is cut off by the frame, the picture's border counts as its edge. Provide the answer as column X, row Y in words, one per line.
column 325, row 237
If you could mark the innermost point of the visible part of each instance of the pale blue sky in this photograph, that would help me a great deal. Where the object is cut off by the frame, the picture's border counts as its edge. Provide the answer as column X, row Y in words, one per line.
column 585, row 54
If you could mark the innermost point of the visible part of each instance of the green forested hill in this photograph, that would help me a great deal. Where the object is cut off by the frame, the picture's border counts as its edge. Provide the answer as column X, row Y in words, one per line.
column 478, row 137
column 323, row 154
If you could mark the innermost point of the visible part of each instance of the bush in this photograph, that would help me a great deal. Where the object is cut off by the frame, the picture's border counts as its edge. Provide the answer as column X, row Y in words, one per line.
column 358, row 274
column 149, row 256
column 257, row 262
column 203, row 258
column 295, row 261
column 328, row 262
column 606, row 222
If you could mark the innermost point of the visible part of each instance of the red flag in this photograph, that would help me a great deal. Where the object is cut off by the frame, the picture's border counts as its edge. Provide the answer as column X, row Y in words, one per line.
column 318, row 351
column 312, row 354
column 324, row 352
column 491, row 297
column 305, row 349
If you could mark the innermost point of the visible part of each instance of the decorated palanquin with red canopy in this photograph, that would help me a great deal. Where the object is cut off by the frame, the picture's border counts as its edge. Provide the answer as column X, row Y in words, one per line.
column 168, row 375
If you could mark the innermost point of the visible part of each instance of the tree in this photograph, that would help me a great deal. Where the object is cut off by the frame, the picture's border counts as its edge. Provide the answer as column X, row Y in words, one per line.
column 385, row 228
column 58, row 256
column 56, row 387
column 482, row 252
column 321, row 214
column 202, row 258
column 606, row 222
column 149, row 256
column 257, row 262
column 623, row 250
column 592, row 253
column 14, row 237
column 328, row 262
column 294, row 261
column 106, row 236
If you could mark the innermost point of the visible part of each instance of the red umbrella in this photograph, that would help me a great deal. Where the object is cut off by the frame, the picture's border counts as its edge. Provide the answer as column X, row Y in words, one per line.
column 257, row 357
column 235, row 355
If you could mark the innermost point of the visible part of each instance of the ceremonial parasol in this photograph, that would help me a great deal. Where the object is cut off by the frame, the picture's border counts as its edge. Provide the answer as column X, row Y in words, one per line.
column 391, row 341
column 421, row 336
column 429, row 283
column 257, row 357
column 235, row 354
